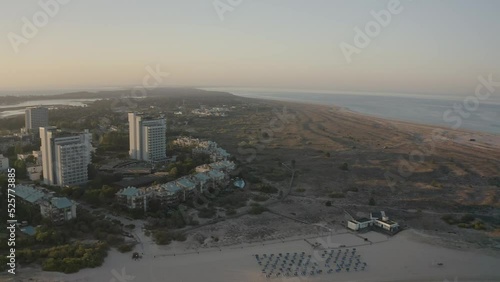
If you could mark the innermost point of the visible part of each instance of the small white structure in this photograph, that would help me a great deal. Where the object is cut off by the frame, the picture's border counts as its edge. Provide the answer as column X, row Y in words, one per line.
column 382, row 220
column 377, row 219
column 359, row 224
column 34, row 172
column 36, row 154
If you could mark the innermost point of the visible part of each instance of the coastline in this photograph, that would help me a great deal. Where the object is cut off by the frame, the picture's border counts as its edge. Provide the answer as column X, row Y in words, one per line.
column 235, row 262
column 367, row 115
column 492, row 139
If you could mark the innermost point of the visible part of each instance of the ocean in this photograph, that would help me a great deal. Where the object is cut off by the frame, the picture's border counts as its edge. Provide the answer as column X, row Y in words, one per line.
column 439, row 110
column 423, row 109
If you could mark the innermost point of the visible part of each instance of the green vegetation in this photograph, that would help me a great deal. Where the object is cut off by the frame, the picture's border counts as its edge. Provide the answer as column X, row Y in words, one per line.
column 495, row 181
column 467, row 221
column 207, row 213
column 265, row 188
column 337, row 195
column 276, row 174
column 436, row 184
column 260, row 198
column 125, row 247
column 165, row 237
column 230, row 212
column 344, row 166
column 103, row 196
column 352, row 189
column 130, row 226
column 257, row 209
column 174, row 219
column 20, row 167
column 67, row 258
column 372, row 202
column 235, row 200
column 300, row 190
column 113, row 141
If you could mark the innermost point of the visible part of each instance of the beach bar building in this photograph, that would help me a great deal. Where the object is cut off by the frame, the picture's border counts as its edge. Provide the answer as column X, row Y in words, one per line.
column 381, row 220
column 377, row 221
column 359, row 224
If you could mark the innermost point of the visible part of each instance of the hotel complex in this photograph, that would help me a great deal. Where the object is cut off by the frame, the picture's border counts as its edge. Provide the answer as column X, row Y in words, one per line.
column 66, row 156
column 36, row 117
column 147, row 138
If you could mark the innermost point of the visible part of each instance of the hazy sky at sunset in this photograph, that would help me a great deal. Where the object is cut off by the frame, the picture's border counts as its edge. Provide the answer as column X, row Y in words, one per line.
column 430, row 47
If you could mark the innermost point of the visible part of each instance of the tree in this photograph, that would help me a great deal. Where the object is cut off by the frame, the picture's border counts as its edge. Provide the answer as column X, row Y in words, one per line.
column 18, row 149
column 372, row 202
column 20, row 167
column 31, row 159
column 344, row 166
column 173, row 172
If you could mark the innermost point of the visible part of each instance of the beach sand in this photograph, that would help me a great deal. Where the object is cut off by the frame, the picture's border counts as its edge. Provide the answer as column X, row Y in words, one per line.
column 399, row 258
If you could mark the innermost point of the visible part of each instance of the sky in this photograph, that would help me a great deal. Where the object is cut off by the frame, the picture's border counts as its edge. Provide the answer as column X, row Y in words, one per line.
column 432, row 47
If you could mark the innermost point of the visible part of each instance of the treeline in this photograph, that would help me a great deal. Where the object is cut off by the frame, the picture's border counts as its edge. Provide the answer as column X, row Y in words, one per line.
column 68, row 258
column 114, row 141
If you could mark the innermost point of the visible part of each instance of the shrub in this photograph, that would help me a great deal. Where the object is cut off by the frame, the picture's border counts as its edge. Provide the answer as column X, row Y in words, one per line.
column 448, row 219
column 372, row 202
column 207, row 213
column 335, row 195
column 467, row 218
column 260, row 198
column 328, row 204
column 230, row 211
column 165, row 238
column 479, row 226
column 125, row 248
column 257, row 209
column 344, row 166
column 268, row 189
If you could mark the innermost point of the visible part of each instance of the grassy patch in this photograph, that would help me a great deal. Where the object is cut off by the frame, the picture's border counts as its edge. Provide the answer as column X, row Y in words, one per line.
column 257, row 209
column 336, row 195
column 467, row 221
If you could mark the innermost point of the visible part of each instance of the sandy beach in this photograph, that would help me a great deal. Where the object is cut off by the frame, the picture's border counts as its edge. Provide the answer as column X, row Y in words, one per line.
column 399, row 258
